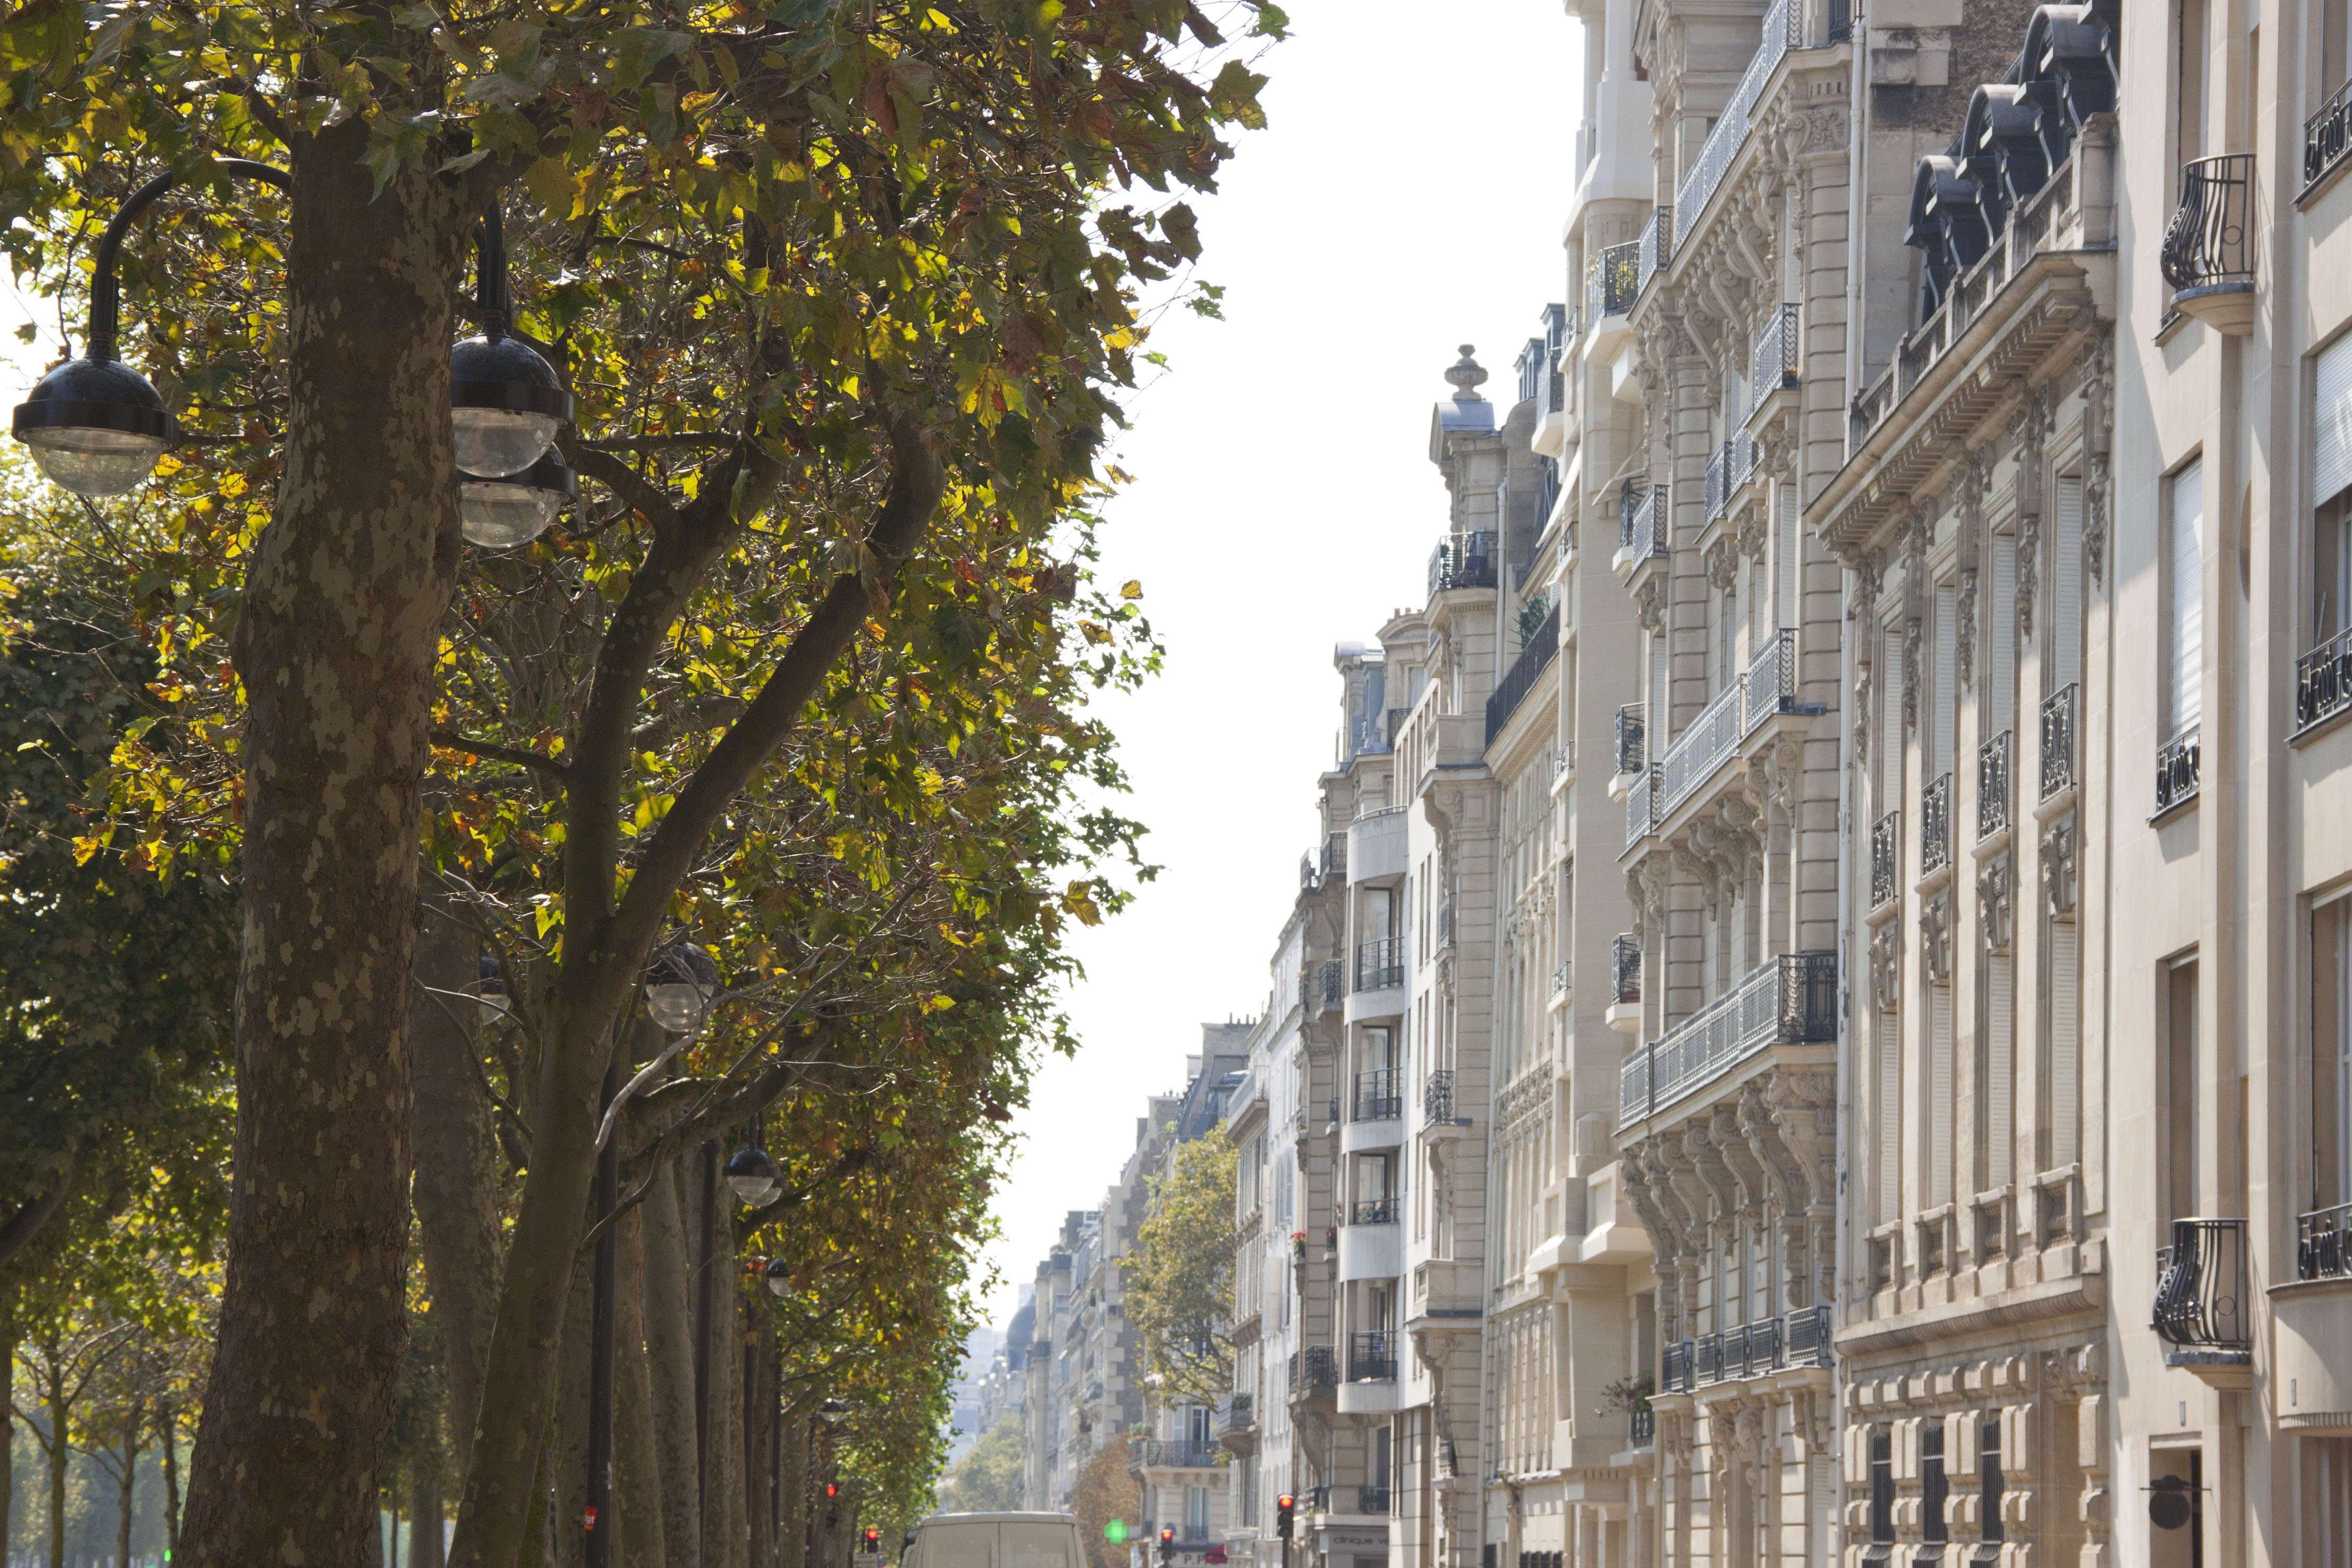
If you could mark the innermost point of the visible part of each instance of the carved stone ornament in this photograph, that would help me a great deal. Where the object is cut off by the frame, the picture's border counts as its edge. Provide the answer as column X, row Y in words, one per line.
column 2058, row 867
column 2098, row 366
column 1965, row 646
column 1862, row 726
column 2094, row 518
column 2000, row 908
column 1911, row 673
column 1936, row 939
column 1886, row 965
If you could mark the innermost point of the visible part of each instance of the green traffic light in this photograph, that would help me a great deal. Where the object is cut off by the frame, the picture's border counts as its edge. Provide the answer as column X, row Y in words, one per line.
column 1116, row 1532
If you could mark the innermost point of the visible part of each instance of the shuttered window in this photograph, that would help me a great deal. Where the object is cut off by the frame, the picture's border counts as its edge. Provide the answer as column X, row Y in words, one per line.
column 2065, row 1047
column 2001, row 663
column 2185, row 593
column 1996, row 1093
column 1945, row 697
column 1655, row 742
column 2066, row 585
column 1789, row 558
column 1938, row 1152
column 1890, row 720
column 2331, row 421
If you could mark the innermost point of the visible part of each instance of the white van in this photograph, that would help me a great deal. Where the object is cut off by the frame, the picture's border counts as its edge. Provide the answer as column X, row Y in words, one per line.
column 996, row 1541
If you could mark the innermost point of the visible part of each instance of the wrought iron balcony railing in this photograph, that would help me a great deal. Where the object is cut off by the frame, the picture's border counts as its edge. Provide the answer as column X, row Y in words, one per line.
column 1772, row 679
column 1373, row 1211
column 1677, row 1374
column 1437, row 1096
column 1641, row 805
column 1650, row 529
column 1994, row 770
column 1177, row 1453
column 2061, row 724
column 1332, row 982
column 1625, row 970
column 1236, row 1412
column 2328, row 135
column 1371, row 1499
column 2179, row 762
column 1445, row 924
column 1719, row 482
column 1563, row 974
column 1772, row 366
column 2200, row 1289
column 1631, row 720
column 1379, row 963
column 1641, row 1425
column 1378, row 1096
column 1333, row 859
column 1612, row 277
column 1790, row 1000
column 2209, row 242
column 1885, row 859
column 1462, row 561
column 1701, row 749
column 1521, row 677
column 1750, row 1351
column 1372, row 1356
column 1935, row 825
column 2323, row 1244
column 1657, row 246
column 2322, row 679
column 1316, row 1366
column 1731, row 128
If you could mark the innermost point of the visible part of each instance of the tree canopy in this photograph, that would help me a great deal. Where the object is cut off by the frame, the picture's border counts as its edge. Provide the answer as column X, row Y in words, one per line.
column 1180, row 1288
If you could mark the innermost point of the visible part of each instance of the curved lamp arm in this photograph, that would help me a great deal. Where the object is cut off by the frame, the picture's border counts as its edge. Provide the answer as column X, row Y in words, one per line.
column 105, row 291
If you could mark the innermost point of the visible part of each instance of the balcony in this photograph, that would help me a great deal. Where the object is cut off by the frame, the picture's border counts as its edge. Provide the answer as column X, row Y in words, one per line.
column 1656, row 247
column 1632, row 719
column 1625, row 970
column 1174, row 1454
column 1709, row 742
column 2323, row 1244
column 1612, row 277
column 1772, row 365
column 2207, row 255
column 2328, row 135
column 1331, row 861
column 1641, row 806
column 1644, row 525
column 1378, row 1098
column 1772, row 683
column 1379, row 964
column 1753, row 1349
column 1373, row 1211
column 1722, row 143
column 1462, row 561
column 2322, row 679
column 2201, row 1294
column 1237, row 1422
column 1445, row 924
column 2061, row 730
column 1719, row 482
column 1995, row 774
column 1563, row 981
column 1313, row 1372
column 1935, row 825
column 2178, row 761
column 1370, row 1501
column 1786, row 1001
column 1437, row 1096
column 1525, row 671
column 1372, row 1356
column 1642, row 1426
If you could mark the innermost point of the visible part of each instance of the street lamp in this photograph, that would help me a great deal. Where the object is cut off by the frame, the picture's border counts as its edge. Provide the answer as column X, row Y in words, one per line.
column 491, row 996
column 514, row 509
column 832, row 1412
column 754, row 1177
column 680, row 985
column 778, row 1275
column 505, row 401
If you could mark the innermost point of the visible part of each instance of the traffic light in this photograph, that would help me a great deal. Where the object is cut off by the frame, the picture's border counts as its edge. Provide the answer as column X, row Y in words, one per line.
column 831, row 1490
column 873, row 1540
column 1167, row 1542
column 1283, row 1508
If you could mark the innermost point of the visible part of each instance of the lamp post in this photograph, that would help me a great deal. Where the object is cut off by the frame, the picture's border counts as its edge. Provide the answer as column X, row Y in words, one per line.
column 96, row 426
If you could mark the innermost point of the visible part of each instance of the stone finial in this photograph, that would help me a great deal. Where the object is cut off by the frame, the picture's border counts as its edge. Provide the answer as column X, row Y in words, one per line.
column 1465, row 375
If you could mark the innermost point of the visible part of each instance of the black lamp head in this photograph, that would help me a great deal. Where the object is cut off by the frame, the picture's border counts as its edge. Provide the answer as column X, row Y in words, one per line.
column 507, row 403
column 95, row 426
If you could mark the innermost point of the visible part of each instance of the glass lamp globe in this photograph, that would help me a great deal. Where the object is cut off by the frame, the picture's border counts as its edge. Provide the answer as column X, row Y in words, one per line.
column 506, row 405
column 777, row 1276
column 679, row 986
column 490, row 995
column 754, row 1177
column 499, row 513
column 95, row 426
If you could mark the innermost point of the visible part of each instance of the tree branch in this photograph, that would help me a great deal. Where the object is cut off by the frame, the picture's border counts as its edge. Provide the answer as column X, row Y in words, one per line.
column 491, row 751
column 17, row 1231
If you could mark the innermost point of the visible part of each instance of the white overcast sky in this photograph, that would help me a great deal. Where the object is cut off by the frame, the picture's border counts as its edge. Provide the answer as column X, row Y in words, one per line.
column 1407, row 197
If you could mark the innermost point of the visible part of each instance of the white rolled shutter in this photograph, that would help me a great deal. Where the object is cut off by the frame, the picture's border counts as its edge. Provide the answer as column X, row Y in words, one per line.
column 2001, row 692
column 2187, row 589
column 2331, row 421
column 2066, row 587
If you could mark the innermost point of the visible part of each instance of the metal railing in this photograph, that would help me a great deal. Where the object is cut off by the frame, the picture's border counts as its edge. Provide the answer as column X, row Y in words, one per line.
column 1657, row 246
column 1445, row 924
column 1935, row 825
column 1379, row 963
column 1808, row 1335
column 1995, row 771
column 2061, row 727
column 1371, row 1499
column 1641, row 805
column 1625, row 970
column 1886, row 860
column 1316, row 1366
column 1373, row 1211
column 2200, row 1288
column 1563, row 975
column 2179, row 764
column 1236, row 1412
column 1333, row 860
column 2323, row 680
column 1612, row 277
column 1772, row 679
column 1701, row 749
column 1731, row 128
column 1176, row 1453
column 1437, row 1096
column 1749, row 1351
column 1674, row 1368
column 1719, row 482
column 1462, row 561
column 1641, row 1425
column 2328, row 135
column 1773, row 367
column 1633, row 719
column 2323, row 1244
column 1521, row 677
column 2206, row 244
column 1378, row 1095
column 1790, row 1000
column 1372, row 1356
column 1649, row 529
column 1332, row 982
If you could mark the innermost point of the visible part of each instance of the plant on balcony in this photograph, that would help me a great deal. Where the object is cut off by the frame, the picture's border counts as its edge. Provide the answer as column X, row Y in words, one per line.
column 1531, row 619
column 1627, row 1396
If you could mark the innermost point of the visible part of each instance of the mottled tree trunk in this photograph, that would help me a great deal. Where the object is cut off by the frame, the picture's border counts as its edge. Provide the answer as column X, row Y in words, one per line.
column 457, row 1186
column 791, row 1531
column 759, row 1433
column 669, row 1351
column 127, row 1486
column 167, row 1423
column 335, row 644
column 636, row 1471
column 8, row 1410
column 570, row 1433
column 60, row 1458
column 424, row 1518
column 724, row 1529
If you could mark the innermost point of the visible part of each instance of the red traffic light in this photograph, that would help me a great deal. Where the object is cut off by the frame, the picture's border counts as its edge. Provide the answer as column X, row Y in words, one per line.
column 832, row 1490
column 873, row 1538
column 1167, row 1535
column 1286, row 1502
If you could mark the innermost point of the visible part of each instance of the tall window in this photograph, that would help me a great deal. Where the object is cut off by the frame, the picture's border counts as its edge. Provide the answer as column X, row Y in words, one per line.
column 1935, row 1487
column 2331, row 1054
column 1881, row 1486
column 2331, row 472
column 1989, row 1481
column 2184, row 595
column 2178, row 1157
column 2188, row 80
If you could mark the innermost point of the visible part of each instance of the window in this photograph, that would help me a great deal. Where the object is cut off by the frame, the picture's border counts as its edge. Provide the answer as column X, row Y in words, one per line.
column 1196, row 1513
column 2331, row 481
column 1991, row 1483
column 1935, row 1488
column 2177, row 1159
column 2188, row 82
column 1881, row 1486
column 2184, row 594
column 2331, row 1054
